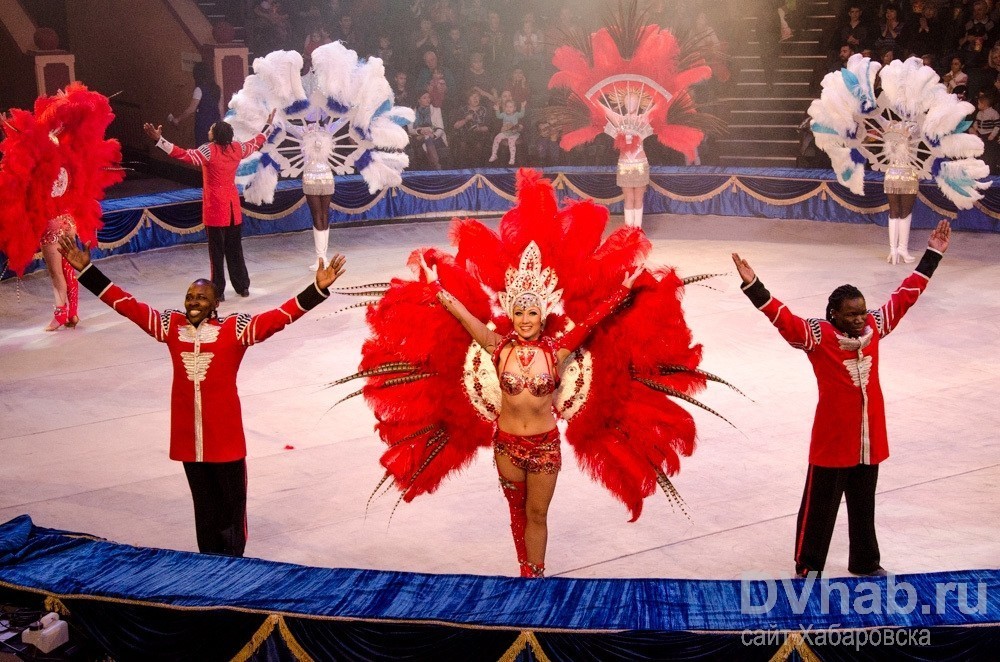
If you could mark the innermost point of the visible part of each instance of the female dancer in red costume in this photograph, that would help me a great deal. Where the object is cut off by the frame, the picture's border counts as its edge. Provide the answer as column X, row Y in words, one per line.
column 56, row 165
column 526, row 445
column 482, row 349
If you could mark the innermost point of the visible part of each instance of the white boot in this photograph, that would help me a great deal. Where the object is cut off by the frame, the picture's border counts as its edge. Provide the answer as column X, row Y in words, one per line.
column 903, row 247
column 628, row 217
column 893, row 241
column 637, row 217
column 321, row 240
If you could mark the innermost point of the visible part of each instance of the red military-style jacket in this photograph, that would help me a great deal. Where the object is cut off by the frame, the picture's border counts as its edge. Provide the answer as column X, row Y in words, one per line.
column 849, row 426
column 206, row 423
column 220, row 198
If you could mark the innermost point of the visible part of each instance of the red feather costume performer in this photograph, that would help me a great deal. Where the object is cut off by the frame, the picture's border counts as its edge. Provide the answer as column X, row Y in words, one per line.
column 437, row 395
column 56, row 164
column 631, row 81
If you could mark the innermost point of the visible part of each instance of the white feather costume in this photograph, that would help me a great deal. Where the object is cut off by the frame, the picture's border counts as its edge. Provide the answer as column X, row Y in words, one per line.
column 913, row 130
column 337, row 119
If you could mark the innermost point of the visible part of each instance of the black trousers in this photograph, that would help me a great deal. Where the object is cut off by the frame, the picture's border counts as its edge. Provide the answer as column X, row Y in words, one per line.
column 219, row 490
column 226, row 243
column 818, row 513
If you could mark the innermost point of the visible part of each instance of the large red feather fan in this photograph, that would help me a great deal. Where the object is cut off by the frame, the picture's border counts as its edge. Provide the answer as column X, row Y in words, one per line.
column 426, row 379
column 56, row 161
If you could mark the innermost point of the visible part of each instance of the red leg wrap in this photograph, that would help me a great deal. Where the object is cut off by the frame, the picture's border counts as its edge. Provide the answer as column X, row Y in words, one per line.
column 72, row 291
column 517, row 497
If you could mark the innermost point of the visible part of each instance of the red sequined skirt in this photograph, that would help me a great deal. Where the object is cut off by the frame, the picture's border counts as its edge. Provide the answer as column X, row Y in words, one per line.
column 536, row 453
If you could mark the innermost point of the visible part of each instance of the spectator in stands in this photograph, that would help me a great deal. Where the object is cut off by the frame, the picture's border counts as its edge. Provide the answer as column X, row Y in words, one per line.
column 892, row 32
column 494, row 43
column 427, row 131
column 518, row 86
column 855, row 31
column 401, row 91
column 478, row 79
column 887, row 56
column 427, row 37
column 454, row 48
column 510, row 130
column 987, row 126
column 316, row 38
column 271, row 26
column 988, row 77
column 926, row 33
column 976, row 39
column 443, row 12
column 438, row 89
column 204, row 103
column 474, row 12
column 528, row 48
column 385, row 52
column 347, row 34
column 471, row 134
column 955, row 75
column 426, row 74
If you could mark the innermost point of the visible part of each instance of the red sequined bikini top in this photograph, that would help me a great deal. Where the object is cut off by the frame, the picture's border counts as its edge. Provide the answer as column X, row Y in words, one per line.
column 538, row 385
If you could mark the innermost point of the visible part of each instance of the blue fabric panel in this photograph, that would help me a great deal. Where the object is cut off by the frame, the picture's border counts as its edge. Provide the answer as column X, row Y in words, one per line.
column 448, row 193
column 55, row 563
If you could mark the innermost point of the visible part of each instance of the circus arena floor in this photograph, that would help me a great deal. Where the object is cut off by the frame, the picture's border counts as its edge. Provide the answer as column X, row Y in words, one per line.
column 84, row 417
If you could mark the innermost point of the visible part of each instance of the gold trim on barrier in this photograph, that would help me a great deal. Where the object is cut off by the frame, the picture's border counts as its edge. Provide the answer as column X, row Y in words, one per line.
column 166, row 226
column 358, row 210
column 695, row 198
column 499, row 191
column 777, row 202
column 937, row 210
column 992, row 214
column 846, row 205
column 143, row 221
column 270, row 217
column 441, row 196
column 265, row 631
column 576, row 189
column 796, row 643
column 525, row 640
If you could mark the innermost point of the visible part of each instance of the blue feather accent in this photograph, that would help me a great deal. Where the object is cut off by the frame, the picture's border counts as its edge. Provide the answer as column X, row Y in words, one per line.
column 297, row 107
column 336, row 106
column 267, row 162
column 363, row 161
column 247, row 167
column 400, row 120
column 857, row 157
column 383, row 109
column 822, row 128
column 936, row 167
column 963, row 126
column 846, row 174
column 229, row 113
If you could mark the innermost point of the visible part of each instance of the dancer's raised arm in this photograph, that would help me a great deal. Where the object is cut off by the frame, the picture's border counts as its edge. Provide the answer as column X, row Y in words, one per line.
column 486, row 338
column 569, row 342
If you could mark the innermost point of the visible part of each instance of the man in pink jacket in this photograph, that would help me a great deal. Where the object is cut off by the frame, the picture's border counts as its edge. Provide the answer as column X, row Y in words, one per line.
column 849, row 438
column 218, row 159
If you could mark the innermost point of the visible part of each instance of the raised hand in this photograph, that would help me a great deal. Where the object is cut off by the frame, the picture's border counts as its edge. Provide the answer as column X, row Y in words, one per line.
column 326, row 276
column 79, row 259
column 630, row 278
column 430, row 273
column 744, row 269
column 940, row 236
column 154, row 132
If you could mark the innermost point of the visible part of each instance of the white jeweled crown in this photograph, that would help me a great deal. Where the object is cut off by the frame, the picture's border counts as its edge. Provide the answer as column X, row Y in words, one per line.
column 531, row 286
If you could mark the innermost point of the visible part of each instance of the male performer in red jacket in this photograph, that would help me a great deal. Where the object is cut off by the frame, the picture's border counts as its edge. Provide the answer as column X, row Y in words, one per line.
column 206, row 425
column 218, row 159
column 849, row 433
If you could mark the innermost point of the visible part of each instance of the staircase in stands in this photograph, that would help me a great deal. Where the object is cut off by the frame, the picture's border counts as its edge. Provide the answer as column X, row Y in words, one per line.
column 764, row 119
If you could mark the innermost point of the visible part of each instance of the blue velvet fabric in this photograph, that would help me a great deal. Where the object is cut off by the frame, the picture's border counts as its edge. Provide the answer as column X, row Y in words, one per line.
column 133, row 600
column 758, row 192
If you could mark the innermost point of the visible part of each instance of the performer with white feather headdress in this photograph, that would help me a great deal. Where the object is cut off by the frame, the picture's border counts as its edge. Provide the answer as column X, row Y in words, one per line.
column 337, row 119
column 913, row 129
